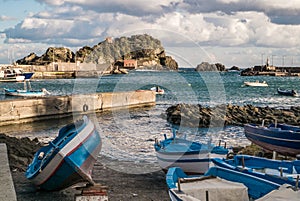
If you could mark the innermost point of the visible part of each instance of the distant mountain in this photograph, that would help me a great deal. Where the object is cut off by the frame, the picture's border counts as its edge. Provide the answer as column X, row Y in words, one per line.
column 146, row 50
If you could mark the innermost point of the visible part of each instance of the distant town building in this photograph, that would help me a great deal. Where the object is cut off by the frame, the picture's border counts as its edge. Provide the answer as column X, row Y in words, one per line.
column 130, row 63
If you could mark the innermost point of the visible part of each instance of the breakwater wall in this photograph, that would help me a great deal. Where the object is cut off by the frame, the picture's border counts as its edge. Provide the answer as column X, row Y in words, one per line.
column 222, row 115
column 33, row 109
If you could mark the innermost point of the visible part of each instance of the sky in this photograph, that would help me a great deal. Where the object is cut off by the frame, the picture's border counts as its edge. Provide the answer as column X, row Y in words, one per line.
column 239, row 33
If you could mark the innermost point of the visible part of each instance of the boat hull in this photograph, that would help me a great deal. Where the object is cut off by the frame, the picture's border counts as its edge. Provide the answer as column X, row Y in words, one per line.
column 192, row 157
column 189, row 163
column 23, row 93
column 256, row 84
column 285, row 142
column 67, row 165
column 287, row 92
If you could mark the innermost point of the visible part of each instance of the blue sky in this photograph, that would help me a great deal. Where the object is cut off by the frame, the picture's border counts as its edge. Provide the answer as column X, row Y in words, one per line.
column 233, row 32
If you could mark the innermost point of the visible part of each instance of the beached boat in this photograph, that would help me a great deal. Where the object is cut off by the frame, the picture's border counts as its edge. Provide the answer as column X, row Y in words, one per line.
column 158, row 90
column 68, row 159
column 192, row 157
column 287, row 92
column 27, row 91
column 277, row 171
column 282, row 138
column 256, row 84
column 218, row 183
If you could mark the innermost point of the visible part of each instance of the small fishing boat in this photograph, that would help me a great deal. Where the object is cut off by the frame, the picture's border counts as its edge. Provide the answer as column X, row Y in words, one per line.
column 287, row 92
column 277, row 171
column 68, row 159
column 192, row 157
column 256, row 84
column 218, row 183
column 158, row 90
column 27, row 91
column 282, row 138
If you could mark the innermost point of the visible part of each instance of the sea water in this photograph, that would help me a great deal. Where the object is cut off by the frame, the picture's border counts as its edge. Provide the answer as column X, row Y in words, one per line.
column 129, row 134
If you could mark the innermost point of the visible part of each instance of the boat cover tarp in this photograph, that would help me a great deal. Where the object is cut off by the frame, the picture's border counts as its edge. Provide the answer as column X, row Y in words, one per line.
column 218, row 189
column 282, row 194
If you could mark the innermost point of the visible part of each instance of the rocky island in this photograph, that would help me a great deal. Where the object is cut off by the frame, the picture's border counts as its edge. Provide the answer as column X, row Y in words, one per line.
column 113, row 55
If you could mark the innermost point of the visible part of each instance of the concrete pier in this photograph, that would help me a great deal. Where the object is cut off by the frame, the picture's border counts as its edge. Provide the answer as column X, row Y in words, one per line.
column 28, row 110
column 7, row 190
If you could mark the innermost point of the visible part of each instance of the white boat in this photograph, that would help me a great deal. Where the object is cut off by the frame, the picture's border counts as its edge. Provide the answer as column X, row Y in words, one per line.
column 256, row 84
column 9, row 74
column 158, row 90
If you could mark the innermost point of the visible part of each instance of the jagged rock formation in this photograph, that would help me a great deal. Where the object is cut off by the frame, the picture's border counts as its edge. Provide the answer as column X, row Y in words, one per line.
column 146, row 50
column 199, row 116
column 205, row 66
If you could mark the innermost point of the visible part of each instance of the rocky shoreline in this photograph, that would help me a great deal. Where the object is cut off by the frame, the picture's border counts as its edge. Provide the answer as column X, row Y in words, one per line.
column 224, row 115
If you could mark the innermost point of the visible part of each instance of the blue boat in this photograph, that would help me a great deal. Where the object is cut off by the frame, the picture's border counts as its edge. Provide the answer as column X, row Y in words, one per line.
column 287, row 92
column 27, row 91
column 277, row 171
column 192, row 157
column 68, row 159
column 234, row 185
column 282, row 138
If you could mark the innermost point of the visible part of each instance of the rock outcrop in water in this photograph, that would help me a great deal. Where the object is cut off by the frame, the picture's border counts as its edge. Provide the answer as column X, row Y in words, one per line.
column 198, row 116
column 205, row 66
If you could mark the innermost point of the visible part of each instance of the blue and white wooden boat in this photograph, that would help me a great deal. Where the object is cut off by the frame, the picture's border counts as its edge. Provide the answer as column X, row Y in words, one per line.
column 282, row 138
column 218, row 183
column 277, row 171
column 26, row 93
column 192, row 157
column 68, row 159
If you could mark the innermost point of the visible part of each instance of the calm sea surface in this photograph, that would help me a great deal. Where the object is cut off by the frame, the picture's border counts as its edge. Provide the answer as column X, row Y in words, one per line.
column 129, row 134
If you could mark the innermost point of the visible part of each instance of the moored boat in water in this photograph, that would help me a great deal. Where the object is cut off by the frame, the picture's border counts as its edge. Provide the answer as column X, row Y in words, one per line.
column 287, row 92
column 27, row 91
column 282, row 138
column 158, row 90
column 68, row 159
column 9, row 74
column 256, row 84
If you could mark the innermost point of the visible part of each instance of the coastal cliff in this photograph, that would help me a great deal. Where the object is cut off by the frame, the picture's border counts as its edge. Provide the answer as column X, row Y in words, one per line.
column 143, row 51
